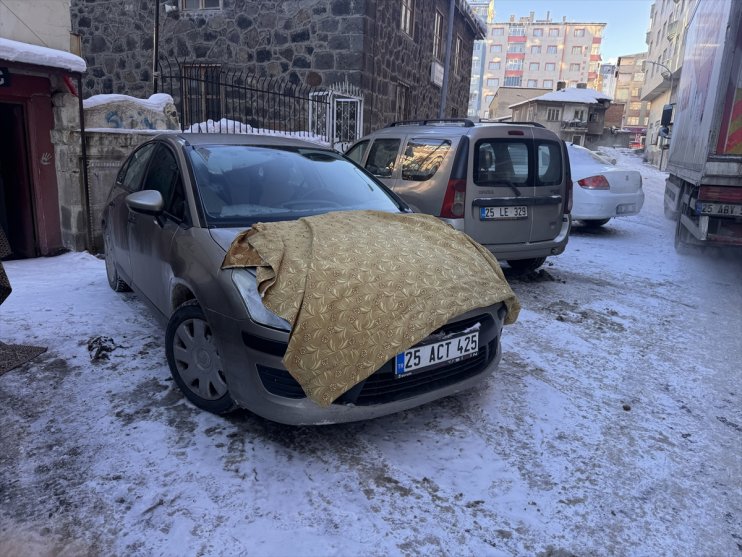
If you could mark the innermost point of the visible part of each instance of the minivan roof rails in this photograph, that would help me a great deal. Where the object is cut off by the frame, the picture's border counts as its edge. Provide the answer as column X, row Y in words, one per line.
column 488, row 121
column 465, row 122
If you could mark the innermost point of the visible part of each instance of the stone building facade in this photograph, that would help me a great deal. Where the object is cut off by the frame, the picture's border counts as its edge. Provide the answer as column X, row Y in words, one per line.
column 395, row 58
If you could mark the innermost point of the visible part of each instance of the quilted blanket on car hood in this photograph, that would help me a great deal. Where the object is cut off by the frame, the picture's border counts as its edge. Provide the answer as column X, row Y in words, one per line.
column 359, row 287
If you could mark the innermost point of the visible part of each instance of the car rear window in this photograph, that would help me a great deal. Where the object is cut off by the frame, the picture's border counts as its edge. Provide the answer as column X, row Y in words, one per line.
column 549, row 161
column 423, row 157
column 501, row 162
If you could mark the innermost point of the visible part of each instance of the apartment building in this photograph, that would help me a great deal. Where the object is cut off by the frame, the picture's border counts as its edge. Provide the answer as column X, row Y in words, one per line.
column 531, row 52
column 630, row 76
column 665, row 40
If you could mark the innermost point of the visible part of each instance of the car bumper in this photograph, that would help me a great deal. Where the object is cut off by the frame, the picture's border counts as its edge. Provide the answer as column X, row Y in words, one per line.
column 608, row 206
column 252, row 358
column 532, row 250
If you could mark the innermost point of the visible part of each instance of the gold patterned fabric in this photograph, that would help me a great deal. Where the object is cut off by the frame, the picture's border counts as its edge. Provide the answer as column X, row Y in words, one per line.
column 358, row 287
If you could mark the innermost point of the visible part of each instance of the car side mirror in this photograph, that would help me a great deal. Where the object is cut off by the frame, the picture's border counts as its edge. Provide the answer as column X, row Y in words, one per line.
column 149, row 202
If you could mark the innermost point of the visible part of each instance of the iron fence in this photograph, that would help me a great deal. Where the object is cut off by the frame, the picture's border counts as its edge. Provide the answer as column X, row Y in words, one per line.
column 212, row 98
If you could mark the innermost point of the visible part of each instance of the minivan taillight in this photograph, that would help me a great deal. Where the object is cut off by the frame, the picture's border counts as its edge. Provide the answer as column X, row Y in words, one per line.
column 454, row 202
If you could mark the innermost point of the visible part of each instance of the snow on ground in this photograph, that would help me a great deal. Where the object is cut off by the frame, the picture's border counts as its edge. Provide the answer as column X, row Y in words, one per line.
column 612, row 427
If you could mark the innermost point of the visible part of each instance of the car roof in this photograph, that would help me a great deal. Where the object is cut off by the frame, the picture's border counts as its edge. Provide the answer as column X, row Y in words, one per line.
column 239, row 139
column 453, row 130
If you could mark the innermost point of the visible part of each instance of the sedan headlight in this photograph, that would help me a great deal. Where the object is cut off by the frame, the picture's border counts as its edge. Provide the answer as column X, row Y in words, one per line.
column 247, row 286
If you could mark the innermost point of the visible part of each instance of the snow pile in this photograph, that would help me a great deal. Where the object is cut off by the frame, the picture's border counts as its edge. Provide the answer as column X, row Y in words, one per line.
column 234, row 126
column 156, row 102
column 15, row 51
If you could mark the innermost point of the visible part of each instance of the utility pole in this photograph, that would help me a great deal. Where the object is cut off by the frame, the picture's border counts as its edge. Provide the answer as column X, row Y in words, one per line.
column 156, row 47
column 449, row 42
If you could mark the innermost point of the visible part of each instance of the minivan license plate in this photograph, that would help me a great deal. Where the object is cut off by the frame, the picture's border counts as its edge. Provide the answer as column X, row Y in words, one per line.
column 447, row 351
column 503, row 213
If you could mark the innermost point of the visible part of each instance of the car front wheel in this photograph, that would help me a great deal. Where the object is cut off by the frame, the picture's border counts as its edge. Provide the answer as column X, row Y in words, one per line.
column 194, row 359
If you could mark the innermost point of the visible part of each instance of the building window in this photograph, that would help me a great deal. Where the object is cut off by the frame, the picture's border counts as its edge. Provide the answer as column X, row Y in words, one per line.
column 495, row 48
column 494, row 65
column 517, row 31
column 635, row 92
column 407, row 10
column 580, row 115
column 632, row 120
column 203, row 92
column 201, row 4
column 535, row 49
column 639, row 76
column 493, row 82
column 532, row 83
column 403, row 102
column 438, row 45
column 574, row 67
column 538, row 32
column 551, row 49
column 514, row 64
column 553, row 114
column 457, row 55
column 577, row 50
column 595, row 49
column 513, row 81
column 550, row 67
column 488, row 100
column 517, row 48
column 635, row 105
column 533, row 66
column 548, row 83
column 580, row 32
column 554, row 32
column 498, row 31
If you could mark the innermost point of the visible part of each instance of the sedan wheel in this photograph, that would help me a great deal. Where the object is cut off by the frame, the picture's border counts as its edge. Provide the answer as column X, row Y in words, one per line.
column 114, row 281
column 194, row 359
column 526, row 265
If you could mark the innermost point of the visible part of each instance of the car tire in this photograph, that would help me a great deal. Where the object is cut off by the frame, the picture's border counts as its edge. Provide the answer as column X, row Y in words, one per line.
column 114, row 280
column 194, row 359
column 595, row 223
column 526, row 265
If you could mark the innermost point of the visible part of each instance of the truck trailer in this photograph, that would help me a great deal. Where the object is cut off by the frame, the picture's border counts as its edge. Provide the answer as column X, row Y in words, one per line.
column 703, row 192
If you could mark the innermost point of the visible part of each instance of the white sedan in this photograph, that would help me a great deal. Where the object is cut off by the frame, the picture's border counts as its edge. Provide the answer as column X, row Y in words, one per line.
column 602, row 190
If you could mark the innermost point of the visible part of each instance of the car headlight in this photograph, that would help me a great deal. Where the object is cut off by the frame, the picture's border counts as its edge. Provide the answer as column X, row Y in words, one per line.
column 247, row 286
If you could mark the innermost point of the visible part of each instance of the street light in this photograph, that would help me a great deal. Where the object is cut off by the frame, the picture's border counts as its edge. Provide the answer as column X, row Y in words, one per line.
column 668, row 70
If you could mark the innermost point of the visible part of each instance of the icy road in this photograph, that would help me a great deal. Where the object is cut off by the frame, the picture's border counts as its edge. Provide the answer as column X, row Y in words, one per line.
column 612, row 427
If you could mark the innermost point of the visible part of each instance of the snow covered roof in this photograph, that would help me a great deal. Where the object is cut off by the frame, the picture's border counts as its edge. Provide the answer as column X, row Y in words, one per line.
column 15, row 51
column 571, row 95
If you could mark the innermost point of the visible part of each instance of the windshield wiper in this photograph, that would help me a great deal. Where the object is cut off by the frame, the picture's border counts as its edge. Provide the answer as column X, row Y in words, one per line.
column 512, row 186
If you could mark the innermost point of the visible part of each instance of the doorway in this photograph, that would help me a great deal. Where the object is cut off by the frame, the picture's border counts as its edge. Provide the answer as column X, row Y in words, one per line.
column 16, row 200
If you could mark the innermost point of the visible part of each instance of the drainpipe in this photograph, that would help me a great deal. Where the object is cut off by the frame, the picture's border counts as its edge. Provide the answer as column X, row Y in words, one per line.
column 86, row 213
column 449, row 41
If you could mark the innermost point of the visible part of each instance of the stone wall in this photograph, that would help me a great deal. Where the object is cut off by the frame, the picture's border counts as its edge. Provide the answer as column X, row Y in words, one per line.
column 313, row 42
column 105, row 151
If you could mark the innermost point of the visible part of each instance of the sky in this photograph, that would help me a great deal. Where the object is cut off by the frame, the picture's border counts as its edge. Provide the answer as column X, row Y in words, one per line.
column 628, row 20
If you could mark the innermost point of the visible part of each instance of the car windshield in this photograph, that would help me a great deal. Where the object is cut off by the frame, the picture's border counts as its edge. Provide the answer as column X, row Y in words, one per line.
column 240, row 185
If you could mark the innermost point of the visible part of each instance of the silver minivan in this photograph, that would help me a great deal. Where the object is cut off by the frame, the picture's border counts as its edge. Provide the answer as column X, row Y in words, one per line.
column 507, row 185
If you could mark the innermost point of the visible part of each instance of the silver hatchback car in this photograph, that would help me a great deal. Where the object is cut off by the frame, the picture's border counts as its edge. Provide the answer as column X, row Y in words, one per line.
column 178, row 203
column 506, row 185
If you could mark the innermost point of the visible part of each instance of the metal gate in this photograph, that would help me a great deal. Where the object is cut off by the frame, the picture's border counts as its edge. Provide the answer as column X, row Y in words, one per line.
column 339, row 115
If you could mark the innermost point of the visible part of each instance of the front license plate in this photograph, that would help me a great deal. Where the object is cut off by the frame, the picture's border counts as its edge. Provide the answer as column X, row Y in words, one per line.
column 719, row 209
column 503, row 213
column 447, row 351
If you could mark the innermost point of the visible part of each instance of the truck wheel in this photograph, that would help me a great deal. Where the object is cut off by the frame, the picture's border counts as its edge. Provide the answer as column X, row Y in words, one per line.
column 683, row 244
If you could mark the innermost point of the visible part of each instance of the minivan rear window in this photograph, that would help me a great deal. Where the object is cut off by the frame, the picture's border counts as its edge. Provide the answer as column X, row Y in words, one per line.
column 501, row 162
column 422, row 158
column 549, row 160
